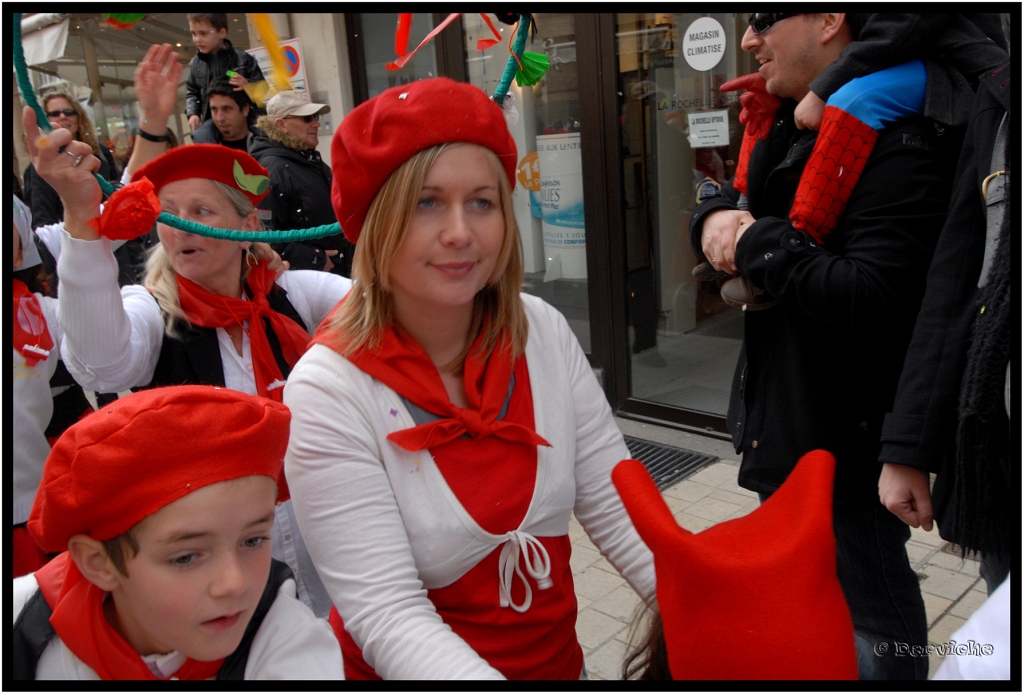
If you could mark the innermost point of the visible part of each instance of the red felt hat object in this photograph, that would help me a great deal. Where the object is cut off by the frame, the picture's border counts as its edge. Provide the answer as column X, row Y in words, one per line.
column 381, row 134
column 754, row 597
column 143, row 451
column 232, row 167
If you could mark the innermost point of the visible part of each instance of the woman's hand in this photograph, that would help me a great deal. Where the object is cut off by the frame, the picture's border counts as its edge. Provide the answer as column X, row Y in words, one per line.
column 263, row 251
column 156, row 86
column 70, row 173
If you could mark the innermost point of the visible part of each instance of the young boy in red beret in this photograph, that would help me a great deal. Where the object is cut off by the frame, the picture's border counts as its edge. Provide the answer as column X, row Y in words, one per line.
column 164, row 501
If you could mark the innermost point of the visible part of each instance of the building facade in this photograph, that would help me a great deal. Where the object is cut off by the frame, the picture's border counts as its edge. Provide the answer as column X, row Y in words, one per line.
column 617, row 142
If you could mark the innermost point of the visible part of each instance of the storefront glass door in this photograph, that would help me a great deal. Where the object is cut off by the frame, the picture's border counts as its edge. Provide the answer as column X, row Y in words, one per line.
column 680, row 138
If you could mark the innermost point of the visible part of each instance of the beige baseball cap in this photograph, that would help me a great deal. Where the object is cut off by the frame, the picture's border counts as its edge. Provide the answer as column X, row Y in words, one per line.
column 293, row 103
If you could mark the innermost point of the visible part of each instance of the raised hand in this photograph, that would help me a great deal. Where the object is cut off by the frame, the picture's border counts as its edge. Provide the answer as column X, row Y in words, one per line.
column 156, row 85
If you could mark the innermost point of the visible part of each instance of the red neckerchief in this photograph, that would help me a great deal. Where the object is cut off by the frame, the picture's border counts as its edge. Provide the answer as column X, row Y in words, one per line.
column 208, row 310
column 79, row 621
column 31, row 335
column 403, row 365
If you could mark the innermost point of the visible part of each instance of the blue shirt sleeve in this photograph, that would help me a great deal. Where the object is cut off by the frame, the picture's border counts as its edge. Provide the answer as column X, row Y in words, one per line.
column 885, row 96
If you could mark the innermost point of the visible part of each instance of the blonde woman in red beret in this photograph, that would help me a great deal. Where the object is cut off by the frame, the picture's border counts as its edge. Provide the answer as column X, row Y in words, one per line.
column 445, row 427
column 163, row 505
column 208, row 310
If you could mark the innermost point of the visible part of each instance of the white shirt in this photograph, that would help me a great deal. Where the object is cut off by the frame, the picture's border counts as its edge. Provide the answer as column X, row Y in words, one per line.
column 114, row 336
column 33, row 407
column 382, row 527
column 982, row 648
column 291, row 644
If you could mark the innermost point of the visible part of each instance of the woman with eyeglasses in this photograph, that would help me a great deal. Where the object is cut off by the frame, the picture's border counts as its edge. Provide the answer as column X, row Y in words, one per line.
column 300, row 181
column 64, row 110
column 209, row 311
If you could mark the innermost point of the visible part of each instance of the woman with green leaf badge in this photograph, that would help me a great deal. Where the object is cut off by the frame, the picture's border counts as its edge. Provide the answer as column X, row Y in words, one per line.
column 210, row 311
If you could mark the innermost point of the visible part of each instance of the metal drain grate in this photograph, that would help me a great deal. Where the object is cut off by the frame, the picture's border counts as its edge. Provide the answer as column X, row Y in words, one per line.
column 667, row 464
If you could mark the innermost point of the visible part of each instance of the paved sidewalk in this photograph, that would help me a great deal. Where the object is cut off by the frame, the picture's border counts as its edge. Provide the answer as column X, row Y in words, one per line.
column 951, row 587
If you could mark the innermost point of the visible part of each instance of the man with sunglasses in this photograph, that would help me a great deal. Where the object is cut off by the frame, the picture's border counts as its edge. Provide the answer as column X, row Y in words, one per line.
column 300, row 182
column 820, row 369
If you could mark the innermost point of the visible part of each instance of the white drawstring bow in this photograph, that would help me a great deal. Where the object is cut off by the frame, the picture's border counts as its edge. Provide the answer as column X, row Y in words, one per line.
column 536, row 560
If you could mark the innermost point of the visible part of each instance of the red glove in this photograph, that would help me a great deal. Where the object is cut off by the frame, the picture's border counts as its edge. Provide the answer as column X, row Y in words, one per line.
column 759, row 106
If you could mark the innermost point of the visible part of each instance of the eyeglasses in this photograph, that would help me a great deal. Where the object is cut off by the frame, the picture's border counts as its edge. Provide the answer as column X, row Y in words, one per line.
column 761, row 22
column 68, row 113
column 308, row 119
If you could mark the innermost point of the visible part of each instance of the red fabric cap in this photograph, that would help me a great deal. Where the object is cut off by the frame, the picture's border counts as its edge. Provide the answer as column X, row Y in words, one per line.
column 755, row 597
column 143, row 451
column 381, row 134
column 232, row 167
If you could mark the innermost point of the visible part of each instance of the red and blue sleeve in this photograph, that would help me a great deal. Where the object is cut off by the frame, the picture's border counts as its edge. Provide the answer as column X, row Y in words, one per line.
column 850, row 124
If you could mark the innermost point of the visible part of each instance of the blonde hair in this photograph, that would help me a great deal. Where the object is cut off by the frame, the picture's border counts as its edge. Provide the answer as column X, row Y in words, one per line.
column 86, row 131
column 361, row 319
column 162, row 281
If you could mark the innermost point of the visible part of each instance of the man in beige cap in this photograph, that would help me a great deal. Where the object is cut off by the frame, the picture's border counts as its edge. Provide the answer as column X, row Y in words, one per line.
column 300, row 182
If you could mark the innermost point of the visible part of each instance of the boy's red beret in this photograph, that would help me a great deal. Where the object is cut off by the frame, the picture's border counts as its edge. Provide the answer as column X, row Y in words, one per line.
column 381, row 134
column 143, row 451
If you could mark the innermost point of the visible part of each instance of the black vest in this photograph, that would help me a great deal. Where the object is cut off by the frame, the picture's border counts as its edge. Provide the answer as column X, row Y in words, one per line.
column 194, row 357
column 33, row 633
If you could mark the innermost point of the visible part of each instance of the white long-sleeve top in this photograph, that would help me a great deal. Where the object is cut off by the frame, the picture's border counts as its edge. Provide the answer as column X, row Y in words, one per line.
column 52, row 236
column 113, row 338
column 33, row 408
column 291, row 644
column 382, row 526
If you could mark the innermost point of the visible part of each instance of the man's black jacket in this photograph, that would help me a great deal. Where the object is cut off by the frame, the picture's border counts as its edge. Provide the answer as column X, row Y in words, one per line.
column 820, row 369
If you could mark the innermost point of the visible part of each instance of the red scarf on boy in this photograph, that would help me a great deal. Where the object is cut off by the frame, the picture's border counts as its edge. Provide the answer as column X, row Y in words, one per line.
column 79, row 621
column 32, row 337
column 208, row 310
column 403, row 365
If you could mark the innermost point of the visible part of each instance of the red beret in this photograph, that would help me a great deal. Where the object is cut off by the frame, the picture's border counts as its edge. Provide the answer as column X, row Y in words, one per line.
column 754, row 597
column 143, row 451
column 381, row 134
column 232, row 167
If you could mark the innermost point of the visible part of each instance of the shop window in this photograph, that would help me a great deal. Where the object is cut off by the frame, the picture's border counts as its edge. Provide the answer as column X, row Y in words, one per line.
column 680, row 139
column 549, row 195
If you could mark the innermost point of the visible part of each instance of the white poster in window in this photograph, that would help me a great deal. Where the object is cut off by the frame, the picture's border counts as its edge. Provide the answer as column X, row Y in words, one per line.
column 709, row 128
column 561, row 204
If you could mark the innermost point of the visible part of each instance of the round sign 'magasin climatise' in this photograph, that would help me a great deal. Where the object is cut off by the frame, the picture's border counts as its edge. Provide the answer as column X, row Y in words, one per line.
column 704, row 44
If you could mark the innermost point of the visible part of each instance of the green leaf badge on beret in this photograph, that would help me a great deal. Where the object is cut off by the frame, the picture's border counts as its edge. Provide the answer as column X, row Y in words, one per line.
column 250, row 183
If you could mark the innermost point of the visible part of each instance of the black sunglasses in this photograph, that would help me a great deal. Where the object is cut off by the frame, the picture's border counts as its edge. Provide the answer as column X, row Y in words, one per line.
column 761, row 22
column 68, row 112
column 308, row 119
